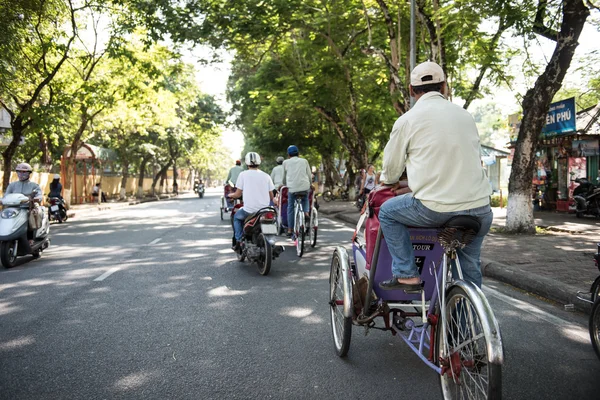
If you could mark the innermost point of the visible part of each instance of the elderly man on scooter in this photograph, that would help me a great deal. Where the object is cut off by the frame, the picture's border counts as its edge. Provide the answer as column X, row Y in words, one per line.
column 24, row 185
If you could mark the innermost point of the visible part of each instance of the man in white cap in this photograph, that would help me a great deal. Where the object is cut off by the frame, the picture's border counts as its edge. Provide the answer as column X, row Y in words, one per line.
column 438, row 144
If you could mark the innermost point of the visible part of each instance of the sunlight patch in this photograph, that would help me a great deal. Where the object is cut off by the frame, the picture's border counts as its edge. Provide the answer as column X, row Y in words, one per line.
column 16, row 343
column 225, row 291
column 134, row 381
column 297, row 312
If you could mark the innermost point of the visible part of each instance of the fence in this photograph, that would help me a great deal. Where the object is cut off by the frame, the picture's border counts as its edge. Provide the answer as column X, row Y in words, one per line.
column 111, row 185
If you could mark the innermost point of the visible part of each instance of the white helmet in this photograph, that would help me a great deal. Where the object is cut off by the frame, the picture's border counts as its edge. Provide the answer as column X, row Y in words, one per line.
column 252, row 159
column 24, row 167
column 56, row 176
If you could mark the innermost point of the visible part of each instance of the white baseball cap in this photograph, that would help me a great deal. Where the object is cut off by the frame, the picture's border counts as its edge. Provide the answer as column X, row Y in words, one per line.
column 427, row 73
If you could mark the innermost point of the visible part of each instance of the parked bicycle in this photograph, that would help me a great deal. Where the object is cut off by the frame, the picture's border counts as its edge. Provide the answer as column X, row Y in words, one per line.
column 448, row 323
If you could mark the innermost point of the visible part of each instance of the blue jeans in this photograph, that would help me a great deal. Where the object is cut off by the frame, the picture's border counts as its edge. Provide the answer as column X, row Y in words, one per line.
column 238, row 223
column 402, row 211
column 290, row 207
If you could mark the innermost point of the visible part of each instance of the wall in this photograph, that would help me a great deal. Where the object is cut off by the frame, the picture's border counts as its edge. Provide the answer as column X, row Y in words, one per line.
column 111, row 185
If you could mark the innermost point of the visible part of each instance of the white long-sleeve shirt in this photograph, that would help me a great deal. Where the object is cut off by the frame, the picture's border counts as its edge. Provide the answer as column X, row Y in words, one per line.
column 277, row 175
column 438, row 144
column 297, row 176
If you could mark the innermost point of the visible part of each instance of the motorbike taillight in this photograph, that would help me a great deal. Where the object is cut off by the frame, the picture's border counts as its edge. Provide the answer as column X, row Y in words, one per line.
column 268, row 216
column 53, row 201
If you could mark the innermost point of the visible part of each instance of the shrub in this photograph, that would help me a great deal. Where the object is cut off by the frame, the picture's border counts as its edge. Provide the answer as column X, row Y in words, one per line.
column 495, row 201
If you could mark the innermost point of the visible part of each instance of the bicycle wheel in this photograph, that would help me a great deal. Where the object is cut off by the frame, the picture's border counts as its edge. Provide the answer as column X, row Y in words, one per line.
column 595, row 289
column 595, row 327
column 312, row 229
column 327, row 196
column 299, row 231
column 341, row 326
column 467, row 371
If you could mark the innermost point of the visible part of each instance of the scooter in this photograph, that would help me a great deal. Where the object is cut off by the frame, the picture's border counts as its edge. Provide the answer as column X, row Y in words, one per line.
column 16, row 237
column 587, row 198
column 258, row 240
column 200, row 190
column 57, row 210
column 340, row 193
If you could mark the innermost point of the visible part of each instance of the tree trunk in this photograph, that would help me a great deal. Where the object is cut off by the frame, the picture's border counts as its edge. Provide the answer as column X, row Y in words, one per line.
column 8, row 153
column 123, row 192
column 142, row 173
column 535, row 106
column 159, row 175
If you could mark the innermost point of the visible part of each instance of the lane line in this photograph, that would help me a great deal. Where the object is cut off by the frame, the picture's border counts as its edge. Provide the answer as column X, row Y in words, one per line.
column 530, row 308
column 106, row 274
column 154, row 241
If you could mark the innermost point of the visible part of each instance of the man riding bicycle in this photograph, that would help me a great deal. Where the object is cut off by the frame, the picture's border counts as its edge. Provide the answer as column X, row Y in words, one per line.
column 438, row 144
column 277, row 173
column 297, row 177
column 257, row 189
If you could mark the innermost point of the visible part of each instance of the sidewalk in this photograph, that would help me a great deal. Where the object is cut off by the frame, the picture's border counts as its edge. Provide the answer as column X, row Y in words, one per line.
column 554, row 265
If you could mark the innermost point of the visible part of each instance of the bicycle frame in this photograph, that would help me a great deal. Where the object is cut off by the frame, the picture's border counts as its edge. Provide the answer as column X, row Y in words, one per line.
column 419, row 338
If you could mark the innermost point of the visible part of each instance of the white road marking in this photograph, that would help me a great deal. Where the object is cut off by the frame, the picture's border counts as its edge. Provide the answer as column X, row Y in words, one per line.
column 154, row 241
column 529, row 308
column 106, row 274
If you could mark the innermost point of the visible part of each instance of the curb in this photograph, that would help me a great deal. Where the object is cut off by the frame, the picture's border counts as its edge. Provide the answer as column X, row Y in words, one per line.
column 532, row 283
column 539, row 285
column 116, row 206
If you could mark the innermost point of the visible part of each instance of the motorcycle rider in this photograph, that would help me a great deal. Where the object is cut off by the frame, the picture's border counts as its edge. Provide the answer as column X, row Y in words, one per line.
column 277, row 173
column 55, row 187
column 257, row 188
column 297, row 177
column 24, row 185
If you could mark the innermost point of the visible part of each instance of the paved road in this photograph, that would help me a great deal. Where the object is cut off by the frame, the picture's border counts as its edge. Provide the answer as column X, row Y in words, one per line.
column 150, row 302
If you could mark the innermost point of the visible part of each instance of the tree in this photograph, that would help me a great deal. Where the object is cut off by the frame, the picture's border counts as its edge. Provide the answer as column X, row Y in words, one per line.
column 33, row 56
column 535, row 106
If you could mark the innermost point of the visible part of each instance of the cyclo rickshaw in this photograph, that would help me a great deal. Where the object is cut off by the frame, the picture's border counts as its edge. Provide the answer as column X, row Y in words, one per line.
column 448, row 323
column 227, row 204
column 301, row 230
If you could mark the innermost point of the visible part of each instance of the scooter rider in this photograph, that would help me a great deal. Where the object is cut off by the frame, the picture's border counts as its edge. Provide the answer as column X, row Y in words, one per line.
column 55, row 187
column 257, row 189
column 24, row 185
column 297, row 177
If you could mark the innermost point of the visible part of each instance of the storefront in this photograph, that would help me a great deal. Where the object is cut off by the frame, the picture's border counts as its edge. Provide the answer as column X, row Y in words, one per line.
column 562, row 158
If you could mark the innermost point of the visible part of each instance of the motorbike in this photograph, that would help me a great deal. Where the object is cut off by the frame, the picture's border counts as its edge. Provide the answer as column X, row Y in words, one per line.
column 593, row 297
column 57, row 210
column 200, row 190
column 587, row 198
column 258, row 240
column 339, row 193
column 17, row 238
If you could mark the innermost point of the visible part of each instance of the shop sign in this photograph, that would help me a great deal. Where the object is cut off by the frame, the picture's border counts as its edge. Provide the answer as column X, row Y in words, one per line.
column 585, row 148
column 560, row 118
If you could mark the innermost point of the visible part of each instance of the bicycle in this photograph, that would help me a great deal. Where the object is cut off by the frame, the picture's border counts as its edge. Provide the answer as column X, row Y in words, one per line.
column 299, row 224
column 593, row 297
column 448, row 323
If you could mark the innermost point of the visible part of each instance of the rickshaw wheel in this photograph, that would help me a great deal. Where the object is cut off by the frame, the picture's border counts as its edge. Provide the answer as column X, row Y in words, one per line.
column 341, row 326
column 595, row 327
column 312, row 233
column 466, row 371
column 221, row 213
column 264, row 265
